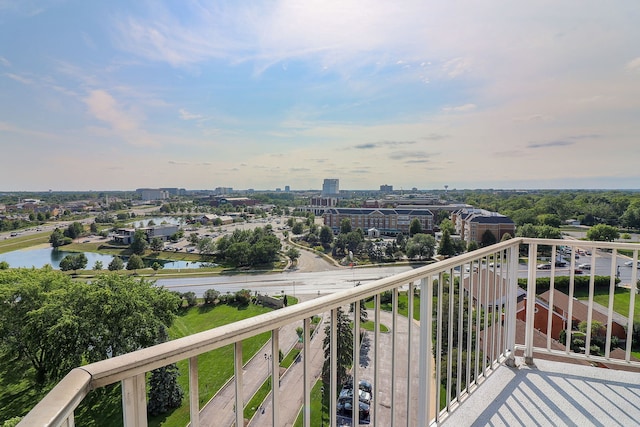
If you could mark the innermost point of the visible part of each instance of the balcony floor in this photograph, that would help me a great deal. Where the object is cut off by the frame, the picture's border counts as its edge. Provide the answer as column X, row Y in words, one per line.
column 552, row 394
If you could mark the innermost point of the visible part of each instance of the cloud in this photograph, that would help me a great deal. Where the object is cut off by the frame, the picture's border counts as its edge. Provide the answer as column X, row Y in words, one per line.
column 434, row 137
column 633, row 65
column 417, row 161
column 366, row 146
column 299, row 169
column 399, row 155
column 371, row 145
column 185, row 115
column 173, row 162
column 460, row 108
column 21, row 79
column 558, row 143
column 105, row 108
column 4, row 61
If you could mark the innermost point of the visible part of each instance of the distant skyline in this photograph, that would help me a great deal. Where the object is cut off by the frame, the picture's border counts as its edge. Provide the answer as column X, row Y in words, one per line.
column 201, row 94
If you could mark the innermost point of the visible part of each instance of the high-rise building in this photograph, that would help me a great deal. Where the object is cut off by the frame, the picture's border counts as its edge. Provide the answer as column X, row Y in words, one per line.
column 386, row 188
column 287, row 188
column 331, row 187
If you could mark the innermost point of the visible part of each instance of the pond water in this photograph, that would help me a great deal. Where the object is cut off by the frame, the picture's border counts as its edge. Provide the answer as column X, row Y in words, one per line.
column 39, row 257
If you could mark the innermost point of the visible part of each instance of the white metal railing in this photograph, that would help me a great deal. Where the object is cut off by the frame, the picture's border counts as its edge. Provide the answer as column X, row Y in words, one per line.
column 467, row 328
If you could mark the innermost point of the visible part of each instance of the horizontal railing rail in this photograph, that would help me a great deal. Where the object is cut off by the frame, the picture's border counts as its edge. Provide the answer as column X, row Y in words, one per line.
column 468, row 310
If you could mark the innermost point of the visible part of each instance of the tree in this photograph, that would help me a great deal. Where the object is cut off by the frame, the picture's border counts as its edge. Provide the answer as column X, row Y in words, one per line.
column 446, row 247
column 603, row 233
column 415, row 227
column 116, row 264
column 97, row 265
column 164, row 391
column 446, row 224
column 488, row 238
column 139, row 243
column 73, row 262
column 156, row 244
column 4, row 265
column 210, row 296
column 56, row 324
column 74, row 230
column 344, row 348
column 297, row 228
column 421, row 245
column 58, row 239
column 326, row 236
column 472, row 246
column 345, row 226
column 293, row 254
column 135, row 262
column 191, row 298
column 206, row 246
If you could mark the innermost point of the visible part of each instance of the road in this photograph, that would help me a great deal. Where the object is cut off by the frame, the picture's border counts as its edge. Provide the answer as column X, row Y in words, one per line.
column 291, row 282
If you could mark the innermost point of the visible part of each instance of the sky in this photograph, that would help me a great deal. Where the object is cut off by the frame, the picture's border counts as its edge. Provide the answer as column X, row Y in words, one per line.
column 120, row 95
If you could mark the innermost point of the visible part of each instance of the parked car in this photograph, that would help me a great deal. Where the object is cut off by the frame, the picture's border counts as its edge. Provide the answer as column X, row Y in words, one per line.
column 578, row 271
column 345, row 408
column 585, row 266
column 544, row 266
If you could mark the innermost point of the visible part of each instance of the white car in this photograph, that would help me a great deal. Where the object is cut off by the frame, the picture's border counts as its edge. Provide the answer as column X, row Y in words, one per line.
column 585, row 266
column 630, row 263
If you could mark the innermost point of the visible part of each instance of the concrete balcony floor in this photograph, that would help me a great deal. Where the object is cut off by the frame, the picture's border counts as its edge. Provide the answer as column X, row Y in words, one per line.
column 552, row 394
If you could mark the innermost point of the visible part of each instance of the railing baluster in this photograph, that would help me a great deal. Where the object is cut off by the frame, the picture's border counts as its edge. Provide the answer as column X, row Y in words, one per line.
column 134, row 401
column 531, row 297
column 469, row 299
column 394, row 342
column 478, row 330
column 239, row 400
column 409, row 352
column 450, row 321
column 333, row 383
column 485, row 328
column 376, row 360
column 426, row 351
column 587, row 341
column 194, row 397
column 632, row 302
column 612, row 290
column 275, row 375
column 355, row 411
column 569, row 328
column 460, row 331
column 438, row 354
column 512, row 301
column 306, row 417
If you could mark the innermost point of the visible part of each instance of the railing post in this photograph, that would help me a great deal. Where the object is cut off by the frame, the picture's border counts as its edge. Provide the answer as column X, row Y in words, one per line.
column 134, row 401
column 275, row 376
column 306, row 353
column 194, row 398
column 531, row 299
column 512, row 301
column 426, row 352
column 239, row 401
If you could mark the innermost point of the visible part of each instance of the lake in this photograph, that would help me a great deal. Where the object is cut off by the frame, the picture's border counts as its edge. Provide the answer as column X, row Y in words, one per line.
column 39, row 257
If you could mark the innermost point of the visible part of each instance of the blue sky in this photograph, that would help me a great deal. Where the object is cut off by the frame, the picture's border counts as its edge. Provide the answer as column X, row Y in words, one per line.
column 248, row 94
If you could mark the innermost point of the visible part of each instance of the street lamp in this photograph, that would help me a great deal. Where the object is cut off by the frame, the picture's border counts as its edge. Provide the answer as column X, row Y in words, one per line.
column 268, row 358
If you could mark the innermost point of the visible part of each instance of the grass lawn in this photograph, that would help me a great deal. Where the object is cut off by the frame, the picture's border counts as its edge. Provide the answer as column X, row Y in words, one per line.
column 369, row 325
column 620, row 301
column 23, row 242
column 214, row 367
column 254, row 404
column 403, row 302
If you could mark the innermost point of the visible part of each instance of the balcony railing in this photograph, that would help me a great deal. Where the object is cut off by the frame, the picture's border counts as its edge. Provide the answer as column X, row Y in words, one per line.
column 466, row 326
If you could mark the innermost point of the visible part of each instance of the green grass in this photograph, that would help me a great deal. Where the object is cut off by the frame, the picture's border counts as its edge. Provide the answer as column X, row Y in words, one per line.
column 319, row 407
column 403, row 302
column 214, row 367
column 257, row 399
column 621, row 300
column 369, row 325
column 23, row 242
column 291, row 356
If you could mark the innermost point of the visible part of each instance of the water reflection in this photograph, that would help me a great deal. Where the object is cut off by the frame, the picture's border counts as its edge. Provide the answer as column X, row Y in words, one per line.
column 39, row 257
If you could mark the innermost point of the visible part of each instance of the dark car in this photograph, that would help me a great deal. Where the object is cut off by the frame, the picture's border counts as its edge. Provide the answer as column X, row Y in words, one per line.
column 345, row 408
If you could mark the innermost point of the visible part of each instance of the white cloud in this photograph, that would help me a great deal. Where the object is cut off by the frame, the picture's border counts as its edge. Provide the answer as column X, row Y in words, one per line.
column 634, row 65
column 460, row 108
column 21, row 79
column 185, row 115
column 105, row 108
column 4, row 61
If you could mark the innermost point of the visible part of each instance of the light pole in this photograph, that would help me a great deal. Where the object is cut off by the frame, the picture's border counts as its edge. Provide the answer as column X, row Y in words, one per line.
column 267, row 357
